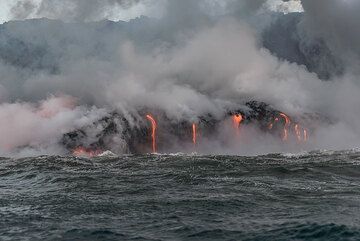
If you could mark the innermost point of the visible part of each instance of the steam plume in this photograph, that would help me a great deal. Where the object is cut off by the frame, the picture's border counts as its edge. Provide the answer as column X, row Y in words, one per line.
column 194, row 60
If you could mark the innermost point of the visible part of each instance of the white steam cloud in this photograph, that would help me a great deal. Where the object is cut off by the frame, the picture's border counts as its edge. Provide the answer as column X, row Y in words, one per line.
column 189, row 62
column 83, row 10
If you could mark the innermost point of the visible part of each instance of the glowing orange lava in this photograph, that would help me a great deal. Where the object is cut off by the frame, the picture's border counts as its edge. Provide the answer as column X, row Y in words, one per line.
column 237, row 119
column 271, row 125
column 301, row 133
column 194, row 133
column 85, row 152
column 153, row 131
column 286, row 126
column 306, row 137
column 298, row 132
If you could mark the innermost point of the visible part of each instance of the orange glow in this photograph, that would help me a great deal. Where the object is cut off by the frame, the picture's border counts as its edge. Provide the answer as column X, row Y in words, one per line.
column 305, row 135
column 301, row 133
column 297, row 132
column 286, row 126
column 237, row 119
column 271, row 125
column 153, row 131
column 194, row 133
column 84, row 152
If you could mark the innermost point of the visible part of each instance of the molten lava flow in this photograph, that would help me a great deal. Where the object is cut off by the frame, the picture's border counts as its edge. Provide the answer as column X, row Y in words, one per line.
column 85, row 152
column 286, row 126
column 306, row 137
column 301, row 133
column 237, row 119
column 194, row 133
column 153, row 131
column 298, row 132
column 271, row 125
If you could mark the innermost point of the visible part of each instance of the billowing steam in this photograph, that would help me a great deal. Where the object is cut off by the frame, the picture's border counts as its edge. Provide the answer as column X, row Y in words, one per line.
column 77, row 10
column 196, row 62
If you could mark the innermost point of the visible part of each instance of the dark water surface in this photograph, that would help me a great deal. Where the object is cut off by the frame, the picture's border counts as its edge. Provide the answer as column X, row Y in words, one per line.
column 313, row 196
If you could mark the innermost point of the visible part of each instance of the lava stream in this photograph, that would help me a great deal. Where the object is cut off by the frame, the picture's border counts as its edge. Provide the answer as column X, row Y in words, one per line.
column 286, row 126
column 298, row 132
column 153, row 131
column 306, row 137
column 237, row 119
column 84, row 152
column 194, row 133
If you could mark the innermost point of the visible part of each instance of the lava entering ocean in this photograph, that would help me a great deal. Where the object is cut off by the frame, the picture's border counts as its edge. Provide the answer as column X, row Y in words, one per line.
column 237, row 119
column 174, row 135
column 286, row 126
column 153, row 131
column 86, row 152
column 194, row 133
column 300, row 133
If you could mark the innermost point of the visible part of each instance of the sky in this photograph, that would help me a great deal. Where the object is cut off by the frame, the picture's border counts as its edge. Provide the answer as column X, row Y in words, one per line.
column 152, row 8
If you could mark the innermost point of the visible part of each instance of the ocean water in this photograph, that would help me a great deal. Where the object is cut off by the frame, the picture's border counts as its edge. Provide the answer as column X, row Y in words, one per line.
column 309, row 196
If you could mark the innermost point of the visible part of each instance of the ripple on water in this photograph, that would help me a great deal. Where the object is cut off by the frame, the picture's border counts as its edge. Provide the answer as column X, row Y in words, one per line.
column 310, row 196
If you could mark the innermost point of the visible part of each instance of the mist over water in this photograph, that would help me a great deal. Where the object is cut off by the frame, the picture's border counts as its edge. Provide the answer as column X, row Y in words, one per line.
column 194, row 59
